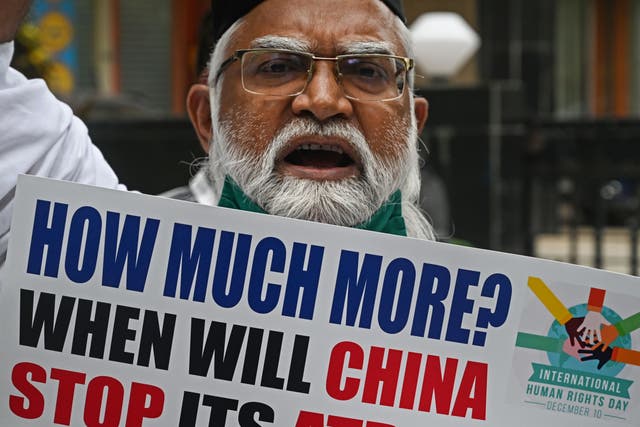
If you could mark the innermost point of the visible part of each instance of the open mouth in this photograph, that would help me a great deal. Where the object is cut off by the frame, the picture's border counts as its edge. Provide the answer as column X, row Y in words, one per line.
column 320, row 160
column 319, row 156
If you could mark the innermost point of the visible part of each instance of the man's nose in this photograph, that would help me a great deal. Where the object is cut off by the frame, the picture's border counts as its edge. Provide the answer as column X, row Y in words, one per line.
column 323, row 97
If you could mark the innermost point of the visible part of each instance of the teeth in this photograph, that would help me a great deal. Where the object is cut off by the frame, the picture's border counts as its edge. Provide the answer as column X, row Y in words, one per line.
column 321, row 147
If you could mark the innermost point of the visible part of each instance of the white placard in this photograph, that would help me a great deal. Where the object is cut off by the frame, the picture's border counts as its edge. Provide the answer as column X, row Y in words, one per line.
column 120, row 309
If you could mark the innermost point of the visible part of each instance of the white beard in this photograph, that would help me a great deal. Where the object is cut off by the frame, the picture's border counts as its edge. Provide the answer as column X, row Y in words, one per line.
column 346, row 202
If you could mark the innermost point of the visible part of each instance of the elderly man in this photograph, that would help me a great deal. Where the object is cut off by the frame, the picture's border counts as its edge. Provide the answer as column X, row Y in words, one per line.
column 308, row 113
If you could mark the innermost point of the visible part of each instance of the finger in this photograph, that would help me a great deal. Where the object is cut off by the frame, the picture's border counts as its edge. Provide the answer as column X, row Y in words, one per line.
column 580, row 342
column 601, row 364
column 587, row 358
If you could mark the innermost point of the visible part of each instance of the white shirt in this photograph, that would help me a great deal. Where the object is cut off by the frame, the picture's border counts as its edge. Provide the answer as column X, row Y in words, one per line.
column 39, row 135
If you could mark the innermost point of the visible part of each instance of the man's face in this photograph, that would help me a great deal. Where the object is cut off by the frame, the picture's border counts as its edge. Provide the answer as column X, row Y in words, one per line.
column 318, row 155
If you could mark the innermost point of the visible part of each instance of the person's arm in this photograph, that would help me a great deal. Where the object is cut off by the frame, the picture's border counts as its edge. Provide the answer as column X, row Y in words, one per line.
column 39, row 135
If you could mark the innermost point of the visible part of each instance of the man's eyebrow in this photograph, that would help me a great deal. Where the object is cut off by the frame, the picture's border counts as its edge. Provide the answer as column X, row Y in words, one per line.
column 280, row 42
column 381, row 47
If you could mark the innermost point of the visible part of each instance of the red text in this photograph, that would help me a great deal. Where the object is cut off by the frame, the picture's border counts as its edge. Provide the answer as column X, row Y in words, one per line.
column 424, row 380
column 103, row 395
column 314, row 419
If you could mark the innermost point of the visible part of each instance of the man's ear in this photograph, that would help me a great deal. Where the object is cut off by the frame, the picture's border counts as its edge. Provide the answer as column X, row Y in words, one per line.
column 199, row 110
column 421, row 107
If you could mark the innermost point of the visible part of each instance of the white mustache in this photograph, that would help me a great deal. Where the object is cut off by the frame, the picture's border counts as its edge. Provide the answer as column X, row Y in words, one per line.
column 301, row 127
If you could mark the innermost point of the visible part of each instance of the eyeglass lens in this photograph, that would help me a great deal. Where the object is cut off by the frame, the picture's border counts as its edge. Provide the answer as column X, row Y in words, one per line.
column 363, row 77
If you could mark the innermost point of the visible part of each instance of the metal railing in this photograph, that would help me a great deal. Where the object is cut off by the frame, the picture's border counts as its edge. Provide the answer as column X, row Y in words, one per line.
column 583, row 190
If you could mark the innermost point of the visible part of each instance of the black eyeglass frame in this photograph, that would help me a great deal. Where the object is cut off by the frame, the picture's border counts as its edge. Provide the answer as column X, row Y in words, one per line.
column 409, row 64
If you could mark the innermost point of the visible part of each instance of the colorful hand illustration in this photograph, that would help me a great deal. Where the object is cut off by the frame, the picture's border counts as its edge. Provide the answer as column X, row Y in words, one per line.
column 603, row 354
column 571, row 349
column 609, row 333
column 575, row 330
column 548, row 344
column 592, row 324
column 597, row 352
column 592, row 331
column 594, row 319
column 558, row 310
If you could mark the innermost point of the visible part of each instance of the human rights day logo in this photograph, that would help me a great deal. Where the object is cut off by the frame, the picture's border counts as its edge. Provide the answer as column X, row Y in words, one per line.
column 575, row 354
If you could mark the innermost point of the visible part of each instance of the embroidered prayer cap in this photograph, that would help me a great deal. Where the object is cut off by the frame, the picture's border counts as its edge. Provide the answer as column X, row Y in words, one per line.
column 227, row 12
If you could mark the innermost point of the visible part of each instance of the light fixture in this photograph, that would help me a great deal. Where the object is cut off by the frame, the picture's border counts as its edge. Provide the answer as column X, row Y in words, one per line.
column 443, row 43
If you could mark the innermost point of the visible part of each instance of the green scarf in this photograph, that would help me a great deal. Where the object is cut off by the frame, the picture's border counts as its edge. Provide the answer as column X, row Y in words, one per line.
column 387, row 219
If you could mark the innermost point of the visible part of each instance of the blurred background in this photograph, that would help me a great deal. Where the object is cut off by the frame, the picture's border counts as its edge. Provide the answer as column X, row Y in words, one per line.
column 532, row 144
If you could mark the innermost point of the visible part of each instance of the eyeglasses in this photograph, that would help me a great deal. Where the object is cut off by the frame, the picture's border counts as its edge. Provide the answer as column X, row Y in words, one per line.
column 363, row 77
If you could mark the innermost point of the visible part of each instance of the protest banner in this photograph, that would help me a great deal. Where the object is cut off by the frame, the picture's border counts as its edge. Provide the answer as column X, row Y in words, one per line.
column 120, row 309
